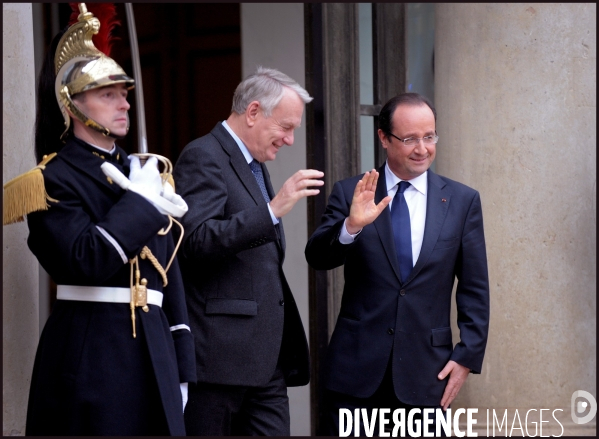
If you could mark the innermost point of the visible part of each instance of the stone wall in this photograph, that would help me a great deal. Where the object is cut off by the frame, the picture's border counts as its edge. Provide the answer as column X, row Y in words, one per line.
column 20, row 298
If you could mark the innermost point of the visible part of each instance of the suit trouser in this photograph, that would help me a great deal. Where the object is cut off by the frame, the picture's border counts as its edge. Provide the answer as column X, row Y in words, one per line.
column 222, row 410
column 383, row 397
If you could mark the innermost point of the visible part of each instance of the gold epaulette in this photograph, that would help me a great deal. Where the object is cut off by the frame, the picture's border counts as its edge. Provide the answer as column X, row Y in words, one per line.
column 26, row 193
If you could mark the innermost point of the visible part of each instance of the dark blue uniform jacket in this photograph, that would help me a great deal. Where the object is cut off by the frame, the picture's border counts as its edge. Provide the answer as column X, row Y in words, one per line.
column 91, row 377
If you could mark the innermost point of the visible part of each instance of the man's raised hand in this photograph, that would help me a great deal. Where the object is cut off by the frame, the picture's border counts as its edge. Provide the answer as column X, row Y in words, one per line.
column 363, row 211
column 296, row 187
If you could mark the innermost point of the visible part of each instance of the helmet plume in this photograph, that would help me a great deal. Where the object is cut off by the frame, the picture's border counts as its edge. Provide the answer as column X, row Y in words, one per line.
column 106, row 13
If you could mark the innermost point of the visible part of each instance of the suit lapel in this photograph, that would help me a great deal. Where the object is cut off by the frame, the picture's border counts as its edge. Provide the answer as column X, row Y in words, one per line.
column 437, row 205
column 383, row 223
column 238, row 163
column 245, row 174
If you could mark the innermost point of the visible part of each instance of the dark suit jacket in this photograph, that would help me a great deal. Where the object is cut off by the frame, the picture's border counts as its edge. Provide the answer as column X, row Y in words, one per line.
column 382, row 316
column 242, row 312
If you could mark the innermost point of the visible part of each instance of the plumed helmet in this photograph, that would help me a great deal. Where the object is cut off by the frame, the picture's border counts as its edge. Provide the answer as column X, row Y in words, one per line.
column 80, row 66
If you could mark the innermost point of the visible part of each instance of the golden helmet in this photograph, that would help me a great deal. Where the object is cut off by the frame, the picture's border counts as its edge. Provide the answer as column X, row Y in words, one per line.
column 80, row 66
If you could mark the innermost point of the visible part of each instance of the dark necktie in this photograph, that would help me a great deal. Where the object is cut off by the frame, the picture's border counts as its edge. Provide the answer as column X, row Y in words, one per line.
column 402, row 232
column 257, row 170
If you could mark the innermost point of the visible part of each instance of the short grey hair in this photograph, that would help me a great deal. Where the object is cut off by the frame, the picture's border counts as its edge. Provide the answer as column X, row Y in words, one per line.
column 267, row 87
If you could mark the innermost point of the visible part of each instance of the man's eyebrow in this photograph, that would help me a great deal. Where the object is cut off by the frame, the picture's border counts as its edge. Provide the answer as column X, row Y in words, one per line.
column 428, row 133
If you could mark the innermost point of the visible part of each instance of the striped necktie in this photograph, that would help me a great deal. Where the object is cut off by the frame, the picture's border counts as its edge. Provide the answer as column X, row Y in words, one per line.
column 257, row 170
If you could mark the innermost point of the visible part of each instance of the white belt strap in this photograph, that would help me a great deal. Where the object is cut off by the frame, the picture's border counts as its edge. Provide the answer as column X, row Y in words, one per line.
column 103, row 294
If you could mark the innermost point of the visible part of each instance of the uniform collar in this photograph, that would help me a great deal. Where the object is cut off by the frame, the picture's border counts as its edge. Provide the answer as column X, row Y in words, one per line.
column 116, row 155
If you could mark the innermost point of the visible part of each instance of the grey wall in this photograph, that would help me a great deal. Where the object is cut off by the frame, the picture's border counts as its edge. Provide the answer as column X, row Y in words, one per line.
column 515, row 91
column 272, row 35
column 20, row 324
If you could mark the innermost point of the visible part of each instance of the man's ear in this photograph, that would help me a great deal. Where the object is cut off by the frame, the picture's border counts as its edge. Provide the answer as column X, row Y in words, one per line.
column 383, row 138
column 251, row 113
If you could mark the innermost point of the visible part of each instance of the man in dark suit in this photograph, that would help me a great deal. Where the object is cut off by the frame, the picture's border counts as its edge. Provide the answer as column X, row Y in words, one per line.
column 392, row 344
column 250, row 342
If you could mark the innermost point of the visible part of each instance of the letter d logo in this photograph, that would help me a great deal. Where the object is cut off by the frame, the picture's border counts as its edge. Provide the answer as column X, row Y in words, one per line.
column 581, row 407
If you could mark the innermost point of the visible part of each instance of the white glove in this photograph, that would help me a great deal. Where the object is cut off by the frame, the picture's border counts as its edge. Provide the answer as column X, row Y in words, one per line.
column 146, row 181
column 176, row 199
column 184, row 387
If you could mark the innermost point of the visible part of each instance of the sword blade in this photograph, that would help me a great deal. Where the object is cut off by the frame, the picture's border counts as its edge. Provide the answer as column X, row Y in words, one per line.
column 139, row 95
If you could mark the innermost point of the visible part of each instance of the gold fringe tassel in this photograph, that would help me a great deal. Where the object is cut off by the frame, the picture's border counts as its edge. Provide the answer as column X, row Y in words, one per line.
column 26, row 193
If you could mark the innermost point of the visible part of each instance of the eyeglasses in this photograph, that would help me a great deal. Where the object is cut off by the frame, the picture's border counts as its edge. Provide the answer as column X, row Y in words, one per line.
column 413, row 141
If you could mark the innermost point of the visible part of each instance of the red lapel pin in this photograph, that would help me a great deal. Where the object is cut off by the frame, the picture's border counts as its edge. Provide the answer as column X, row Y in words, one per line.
column 443, row 200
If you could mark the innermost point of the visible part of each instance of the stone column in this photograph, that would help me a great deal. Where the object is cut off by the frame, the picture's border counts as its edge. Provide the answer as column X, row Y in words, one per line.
column 515, row 92
column 20, row 324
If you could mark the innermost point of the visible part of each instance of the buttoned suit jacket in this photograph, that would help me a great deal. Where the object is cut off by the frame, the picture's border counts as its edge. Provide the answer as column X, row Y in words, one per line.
column 242, row 312
column 382, row 315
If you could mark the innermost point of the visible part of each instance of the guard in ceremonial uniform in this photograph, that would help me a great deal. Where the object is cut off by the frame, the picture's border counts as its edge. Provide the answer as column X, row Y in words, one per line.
column 116, row 353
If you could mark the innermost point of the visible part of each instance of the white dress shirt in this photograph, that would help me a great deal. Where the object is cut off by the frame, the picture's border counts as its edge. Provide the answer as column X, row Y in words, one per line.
column 248, row 158
column 415, row 196
column 104, row 150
